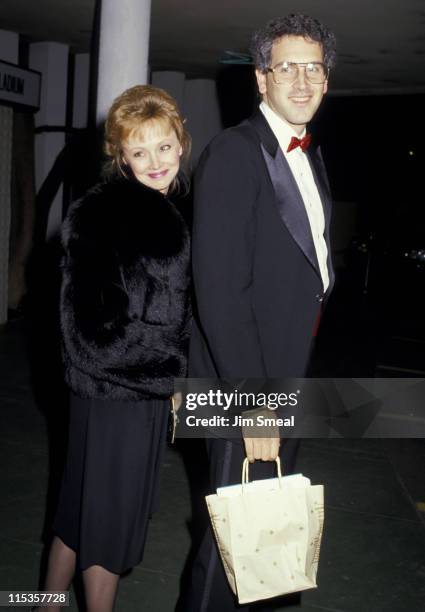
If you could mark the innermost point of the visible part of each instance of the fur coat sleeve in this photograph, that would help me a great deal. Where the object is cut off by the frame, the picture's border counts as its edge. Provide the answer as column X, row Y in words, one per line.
column 125, row 293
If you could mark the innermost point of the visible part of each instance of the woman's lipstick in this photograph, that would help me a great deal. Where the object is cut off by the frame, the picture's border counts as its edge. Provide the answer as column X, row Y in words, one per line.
column 157, row 175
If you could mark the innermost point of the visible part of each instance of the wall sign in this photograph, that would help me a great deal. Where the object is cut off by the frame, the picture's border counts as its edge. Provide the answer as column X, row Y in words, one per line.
column 19, row 86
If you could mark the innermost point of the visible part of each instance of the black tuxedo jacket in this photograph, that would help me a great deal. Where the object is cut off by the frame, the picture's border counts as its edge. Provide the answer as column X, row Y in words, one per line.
column 257, row 282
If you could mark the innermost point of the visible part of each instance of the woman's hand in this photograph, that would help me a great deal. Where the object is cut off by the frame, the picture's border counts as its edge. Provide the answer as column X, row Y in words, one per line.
column 176, row 400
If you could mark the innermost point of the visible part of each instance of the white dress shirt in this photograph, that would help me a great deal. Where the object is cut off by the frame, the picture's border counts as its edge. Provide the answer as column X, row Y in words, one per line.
column 303, row 175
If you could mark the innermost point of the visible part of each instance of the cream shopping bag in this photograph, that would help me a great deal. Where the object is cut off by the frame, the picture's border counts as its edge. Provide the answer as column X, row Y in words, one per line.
column 268, row 533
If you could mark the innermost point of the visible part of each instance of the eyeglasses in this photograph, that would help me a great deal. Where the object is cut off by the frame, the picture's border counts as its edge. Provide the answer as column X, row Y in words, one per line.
column 287, row 72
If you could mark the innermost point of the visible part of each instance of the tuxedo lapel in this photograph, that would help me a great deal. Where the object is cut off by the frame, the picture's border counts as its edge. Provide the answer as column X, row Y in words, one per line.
column 290, row 204
column 321, row 180
column 322, row 183
column 288, row 197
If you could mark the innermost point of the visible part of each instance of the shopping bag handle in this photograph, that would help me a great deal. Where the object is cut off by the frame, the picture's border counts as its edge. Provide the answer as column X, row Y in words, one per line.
column 245, row 472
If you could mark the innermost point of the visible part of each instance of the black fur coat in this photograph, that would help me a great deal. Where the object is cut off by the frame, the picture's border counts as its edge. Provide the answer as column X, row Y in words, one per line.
column 125, row 293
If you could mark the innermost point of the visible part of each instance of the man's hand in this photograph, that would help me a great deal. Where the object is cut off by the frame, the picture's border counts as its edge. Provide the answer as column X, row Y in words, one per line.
column 261, row 441
column 266, row 449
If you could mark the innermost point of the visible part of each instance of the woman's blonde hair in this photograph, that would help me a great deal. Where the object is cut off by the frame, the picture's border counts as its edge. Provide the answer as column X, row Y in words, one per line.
column 130, row 111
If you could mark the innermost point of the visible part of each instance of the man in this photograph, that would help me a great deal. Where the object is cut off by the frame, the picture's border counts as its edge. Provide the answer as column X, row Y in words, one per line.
column 261, row 254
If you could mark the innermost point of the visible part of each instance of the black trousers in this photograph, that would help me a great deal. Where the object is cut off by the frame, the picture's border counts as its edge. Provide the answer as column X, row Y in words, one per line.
column 209, row 590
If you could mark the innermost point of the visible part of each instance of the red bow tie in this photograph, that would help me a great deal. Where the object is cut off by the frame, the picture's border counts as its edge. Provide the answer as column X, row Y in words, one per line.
column 304, row 143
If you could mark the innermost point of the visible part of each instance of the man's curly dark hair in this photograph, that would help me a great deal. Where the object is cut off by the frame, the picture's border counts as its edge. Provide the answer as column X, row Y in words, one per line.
column 294, row 24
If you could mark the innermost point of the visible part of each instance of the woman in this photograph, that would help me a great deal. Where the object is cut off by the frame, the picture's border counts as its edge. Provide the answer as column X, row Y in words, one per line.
column 124, row 319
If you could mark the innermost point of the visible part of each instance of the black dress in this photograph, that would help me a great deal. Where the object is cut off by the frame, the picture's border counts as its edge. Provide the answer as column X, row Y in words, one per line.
column 110, row 482
column 125, row 320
